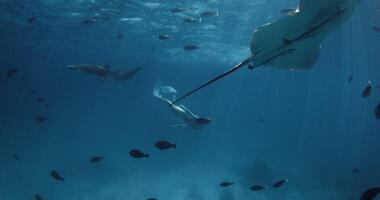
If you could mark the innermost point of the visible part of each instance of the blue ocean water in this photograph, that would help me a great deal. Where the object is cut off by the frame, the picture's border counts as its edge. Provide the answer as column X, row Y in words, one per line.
column 312, row 127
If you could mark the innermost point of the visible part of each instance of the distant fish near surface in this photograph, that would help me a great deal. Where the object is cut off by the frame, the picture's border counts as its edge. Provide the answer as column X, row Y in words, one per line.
column 164, row 37
column 135, row 153
column 280, row 183
column 356, row 170
column 38, row 197
column 90, row 21
column 151, row 199
column 258, row 187
column 164, row 145
column 96, row 159
column 177, row 10
column 16, row 157
column 349, row 79
column 376, row 29
column 40, row 100
column 225, row 184
column 367, row 90
column 377, row 111
column 370, row 194
column 191, row 20
column 31, row 19
column 56, row 176
column 11, row 73
column 120, row 36
column 209, row 13
column 191, row 47
column 41, row 119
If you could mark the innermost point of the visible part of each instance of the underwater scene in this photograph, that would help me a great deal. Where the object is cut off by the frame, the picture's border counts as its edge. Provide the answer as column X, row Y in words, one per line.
column 190, row 99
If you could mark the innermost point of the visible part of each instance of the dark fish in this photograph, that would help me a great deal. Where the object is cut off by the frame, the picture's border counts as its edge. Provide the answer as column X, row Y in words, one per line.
column 38, row 197
column 16, row 157
column 11, row 72
column 90, row 21
column 192, row 20
column 210, row 13
column 367, row 90
column 190, row 47
column 203, row 121
column 55, row 175
column 120, row 36
column 349, row 79
column 260, row 120
column 151, row 199
column 40, row 100
column 138, row 154
column 177, row 10
column 280, row 183
column 164, row 145
column 164, row 37
column 47, row 105
column 96, row 159
column 376, row 29
column 377, row 111
column 370, row 194
column 225, row 184
column 31, row 19
column 258, row 188
column 41, row 119
column 356, row 170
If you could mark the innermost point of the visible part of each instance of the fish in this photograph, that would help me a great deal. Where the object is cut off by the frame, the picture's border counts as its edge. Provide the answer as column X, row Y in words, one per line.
column 210, row 14
column 349, row 79
column 135, row 153
column 292, row 42
column 56, row 176
column 191, row 20
column 90, row 21
column 225, row 184
column 370, row 194
column 164, row 145
column 151, row 199
column 189, row 118
column 377, row 111
column 258, row 187
column 260, row 120
column 190, row 47
column 41, row 119
column 367, row 90
column 120, row 36
column 376, row 29
column 38, row 197
column 104, row 71
column 96, row 159
column 16, row 157
column 164, row 37
column 177, row 10
column 280, row 183
column 48, row 106
column 356, row 170
column 40, row 100
column 31, row 19
column 11, row 73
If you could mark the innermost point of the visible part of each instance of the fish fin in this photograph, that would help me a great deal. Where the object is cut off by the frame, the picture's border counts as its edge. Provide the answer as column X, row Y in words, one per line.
column 127, row 75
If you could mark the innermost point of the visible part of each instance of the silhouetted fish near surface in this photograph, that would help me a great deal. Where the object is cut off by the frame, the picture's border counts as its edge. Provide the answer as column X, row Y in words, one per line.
column 151, row 199
column 90, row 21
column 260, row 120
column 164, row 145
column 356, row 170
column 367, row 90
column 190, row 20
column 225, row 184
column 56, row 176
column 191, row 47
column 377, row 111
column 210, row 13
column 376, row 29
column 258, row 188
column 120, row 36
column 96, row 159
column 11, row 72
column 280, row 183
column 16, row 157
column 31, row 19
column 370, row 194
column 41, row 119
column 135, row 153
column 349, row 79
column 38, row 197
column 177, row 10
column 164, row 37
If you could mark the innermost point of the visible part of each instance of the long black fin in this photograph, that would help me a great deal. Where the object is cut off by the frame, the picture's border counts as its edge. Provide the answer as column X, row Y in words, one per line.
column 233, row 69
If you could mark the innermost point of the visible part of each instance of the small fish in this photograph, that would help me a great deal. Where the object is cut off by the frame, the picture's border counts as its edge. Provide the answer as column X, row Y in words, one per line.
column 377, row 111
column 11, row 72
column 16, row 157
column 280, row 183
column 164, row 37
column 258, row 187
column 376, row 29
column 225, row 184
column 370, row 194
column 120, row 36
column 48, row 106
column 349, row 79
column 56, row 176
column 31, row 19
column 135, row 153
column 164, row 145
column 40, row 99
column 260, row 120
column 96, row 159
column 356, row 170
column 90, row 21
column 190, row 20
column 151, row 199
column 41, row 119
column 190, row 47
column 177, row 10
column 210, row 13
column 367, row 90
column 38, row 197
